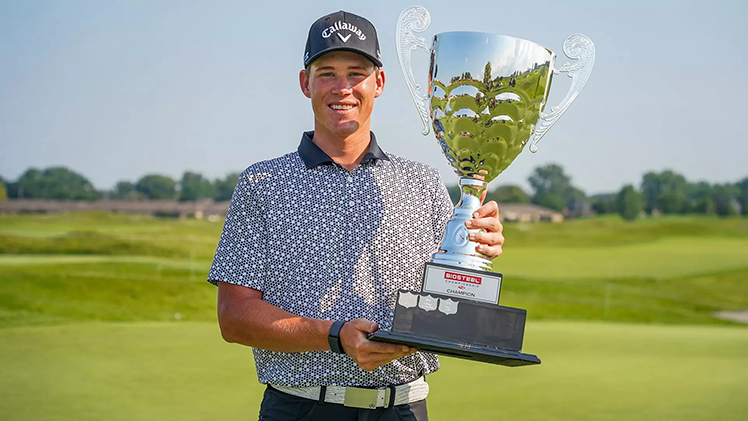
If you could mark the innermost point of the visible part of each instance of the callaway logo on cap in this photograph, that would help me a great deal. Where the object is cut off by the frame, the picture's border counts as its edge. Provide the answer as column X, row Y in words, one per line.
column 342, row 31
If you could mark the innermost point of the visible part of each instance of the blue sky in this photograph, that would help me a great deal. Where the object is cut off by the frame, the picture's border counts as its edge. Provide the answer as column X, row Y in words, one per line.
column 119, row 89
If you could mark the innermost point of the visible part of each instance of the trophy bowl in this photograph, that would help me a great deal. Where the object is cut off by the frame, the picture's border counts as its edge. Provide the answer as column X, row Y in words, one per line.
column 486, row 100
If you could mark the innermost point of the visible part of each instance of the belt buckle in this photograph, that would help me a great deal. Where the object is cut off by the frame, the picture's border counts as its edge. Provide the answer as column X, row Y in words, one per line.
column 357, row 397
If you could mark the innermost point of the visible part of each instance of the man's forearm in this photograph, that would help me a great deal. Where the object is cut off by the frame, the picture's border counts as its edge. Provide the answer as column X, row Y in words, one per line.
column 253, row 322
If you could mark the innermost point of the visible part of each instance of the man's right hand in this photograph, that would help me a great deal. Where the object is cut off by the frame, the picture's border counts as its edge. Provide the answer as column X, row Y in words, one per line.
column 369, row 354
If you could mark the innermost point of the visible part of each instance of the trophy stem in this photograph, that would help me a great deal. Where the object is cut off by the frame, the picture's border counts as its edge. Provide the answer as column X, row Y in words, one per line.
column 456, row 248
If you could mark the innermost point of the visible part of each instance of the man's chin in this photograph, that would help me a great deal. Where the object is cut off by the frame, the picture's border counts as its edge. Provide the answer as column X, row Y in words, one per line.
column 346, row 129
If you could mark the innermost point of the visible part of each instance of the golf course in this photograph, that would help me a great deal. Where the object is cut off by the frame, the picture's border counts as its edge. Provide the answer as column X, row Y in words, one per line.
column 109, row 317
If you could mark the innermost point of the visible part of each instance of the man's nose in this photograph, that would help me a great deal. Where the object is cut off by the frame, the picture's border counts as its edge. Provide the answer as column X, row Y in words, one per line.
column 342, row 85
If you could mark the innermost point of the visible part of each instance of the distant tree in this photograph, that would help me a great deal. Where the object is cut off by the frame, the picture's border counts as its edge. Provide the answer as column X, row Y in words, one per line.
column 742, row 185
column 155, row 186
column 508, row 194
column 3, row 190
column 224, row 188
column 550, row 201
column 55, row 183
column 194, row 186
column 725, row 198
column 125, row 190
column 699, row 198
column 487, row 73
column 665, row 191
column 629, row 203
column 706, row 206
column 13, row 192
column 604, row 203
column 552, row 187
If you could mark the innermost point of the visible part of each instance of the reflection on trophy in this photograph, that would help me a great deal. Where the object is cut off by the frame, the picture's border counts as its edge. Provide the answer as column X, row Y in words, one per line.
column 486, row 99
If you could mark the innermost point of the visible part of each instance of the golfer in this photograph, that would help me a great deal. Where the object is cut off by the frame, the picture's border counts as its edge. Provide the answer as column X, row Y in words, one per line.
column 318, row 241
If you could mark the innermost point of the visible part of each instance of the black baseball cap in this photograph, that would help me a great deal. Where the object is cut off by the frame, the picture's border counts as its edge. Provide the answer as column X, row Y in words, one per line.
column 342, row 31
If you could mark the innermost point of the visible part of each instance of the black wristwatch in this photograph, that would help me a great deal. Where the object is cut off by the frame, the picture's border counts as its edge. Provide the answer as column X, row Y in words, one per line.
column 333, row 338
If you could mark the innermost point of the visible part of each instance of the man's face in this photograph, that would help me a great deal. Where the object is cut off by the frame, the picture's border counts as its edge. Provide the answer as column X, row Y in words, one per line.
column 342, row 86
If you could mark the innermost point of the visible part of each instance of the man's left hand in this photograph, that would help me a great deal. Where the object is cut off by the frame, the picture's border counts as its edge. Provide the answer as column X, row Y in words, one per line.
column 489, row 238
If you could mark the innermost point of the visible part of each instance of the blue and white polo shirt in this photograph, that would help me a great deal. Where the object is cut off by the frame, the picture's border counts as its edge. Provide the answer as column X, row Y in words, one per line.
column 324, row 242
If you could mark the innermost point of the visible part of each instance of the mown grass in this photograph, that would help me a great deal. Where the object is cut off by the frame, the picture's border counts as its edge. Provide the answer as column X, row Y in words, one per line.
column 118, row 267
column 184, row 371
column 69, row 282
column 610, row 230
column 83, row 242
column 105, row 233
column 105, row 292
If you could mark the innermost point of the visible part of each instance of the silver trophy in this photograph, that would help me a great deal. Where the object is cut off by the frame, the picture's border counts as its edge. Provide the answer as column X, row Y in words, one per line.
column 486, row 99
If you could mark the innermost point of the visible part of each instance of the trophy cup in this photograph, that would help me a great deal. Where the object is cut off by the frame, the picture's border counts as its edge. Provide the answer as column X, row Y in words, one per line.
column 486, row 99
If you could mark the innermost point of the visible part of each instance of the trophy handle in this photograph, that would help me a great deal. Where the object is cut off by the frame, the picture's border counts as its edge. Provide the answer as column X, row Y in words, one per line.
column 581, row 48
column 413, row 19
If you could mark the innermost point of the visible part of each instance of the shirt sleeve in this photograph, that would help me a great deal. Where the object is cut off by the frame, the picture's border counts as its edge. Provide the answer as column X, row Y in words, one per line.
column 240, row 256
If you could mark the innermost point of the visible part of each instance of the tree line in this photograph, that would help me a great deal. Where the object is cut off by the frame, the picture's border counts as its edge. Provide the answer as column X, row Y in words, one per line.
column 665, row 192
column 60, row 183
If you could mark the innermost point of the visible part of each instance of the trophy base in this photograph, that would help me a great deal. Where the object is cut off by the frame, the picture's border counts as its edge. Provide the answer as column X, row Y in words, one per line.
column 459, row 328
column 465, row 351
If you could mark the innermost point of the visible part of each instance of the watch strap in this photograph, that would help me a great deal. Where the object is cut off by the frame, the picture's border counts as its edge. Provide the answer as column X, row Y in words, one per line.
column 333, row 338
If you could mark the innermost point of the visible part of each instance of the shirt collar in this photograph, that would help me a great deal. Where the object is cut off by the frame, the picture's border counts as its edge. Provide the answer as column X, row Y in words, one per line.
column 312, row 155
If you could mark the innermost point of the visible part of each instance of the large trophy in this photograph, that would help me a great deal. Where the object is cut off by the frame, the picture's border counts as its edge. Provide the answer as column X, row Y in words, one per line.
column 486, row 99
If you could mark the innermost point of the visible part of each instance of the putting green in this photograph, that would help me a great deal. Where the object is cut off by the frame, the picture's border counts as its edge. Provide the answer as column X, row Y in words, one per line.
column 185, row 371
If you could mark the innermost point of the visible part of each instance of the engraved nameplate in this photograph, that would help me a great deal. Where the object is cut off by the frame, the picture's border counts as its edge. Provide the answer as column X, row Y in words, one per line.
column 462, row 283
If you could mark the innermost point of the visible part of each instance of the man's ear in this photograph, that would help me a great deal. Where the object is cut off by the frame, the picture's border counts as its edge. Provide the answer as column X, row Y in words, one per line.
column 304, row 83
column 380, row 83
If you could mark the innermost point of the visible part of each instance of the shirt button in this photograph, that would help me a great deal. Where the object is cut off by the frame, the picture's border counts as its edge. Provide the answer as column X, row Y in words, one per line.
column 351, row 203
column 349, row 180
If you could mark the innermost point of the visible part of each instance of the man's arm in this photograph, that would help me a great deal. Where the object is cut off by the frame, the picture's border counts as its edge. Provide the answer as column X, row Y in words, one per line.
column 246, row 319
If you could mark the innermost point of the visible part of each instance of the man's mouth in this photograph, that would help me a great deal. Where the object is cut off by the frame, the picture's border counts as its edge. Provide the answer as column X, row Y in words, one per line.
column 342, row 107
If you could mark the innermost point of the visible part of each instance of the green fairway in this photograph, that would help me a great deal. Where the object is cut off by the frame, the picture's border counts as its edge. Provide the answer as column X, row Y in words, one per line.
column 184, row 371
column 109, row 317
column 660, row 259
column 57, row 268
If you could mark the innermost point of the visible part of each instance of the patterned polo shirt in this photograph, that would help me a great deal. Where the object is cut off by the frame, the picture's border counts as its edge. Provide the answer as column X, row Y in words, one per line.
column 324, row 242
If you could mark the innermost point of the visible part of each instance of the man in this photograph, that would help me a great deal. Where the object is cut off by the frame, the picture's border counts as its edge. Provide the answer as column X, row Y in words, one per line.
column 317, row 242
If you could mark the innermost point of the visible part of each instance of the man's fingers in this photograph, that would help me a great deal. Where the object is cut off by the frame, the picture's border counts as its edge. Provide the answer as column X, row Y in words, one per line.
column 489, row 243
column 491, row 252
column 489, row 209
column 364, row 325
column 374, row 347
column 374, row 363
column 487, row 238
column 369, row 354
column 489, row 223
column 371, row 360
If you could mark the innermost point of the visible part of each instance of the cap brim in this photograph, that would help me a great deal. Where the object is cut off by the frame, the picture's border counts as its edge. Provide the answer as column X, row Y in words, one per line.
column 340, row 48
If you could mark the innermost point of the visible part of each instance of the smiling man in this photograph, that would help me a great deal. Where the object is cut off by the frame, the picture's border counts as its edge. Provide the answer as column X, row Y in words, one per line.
column 317, row 242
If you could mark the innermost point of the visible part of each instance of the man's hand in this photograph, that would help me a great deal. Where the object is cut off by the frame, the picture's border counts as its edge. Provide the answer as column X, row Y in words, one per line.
column 490, row 238
column 369, row 354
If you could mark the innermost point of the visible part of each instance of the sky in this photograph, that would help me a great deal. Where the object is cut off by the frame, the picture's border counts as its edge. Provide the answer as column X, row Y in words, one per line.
column 115, row 90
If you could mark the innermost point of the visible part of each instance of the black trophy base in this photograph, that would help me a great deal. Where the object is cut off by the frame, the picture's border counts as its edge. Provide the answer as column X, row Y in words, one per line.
column 471, row 352
column 459, row 328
